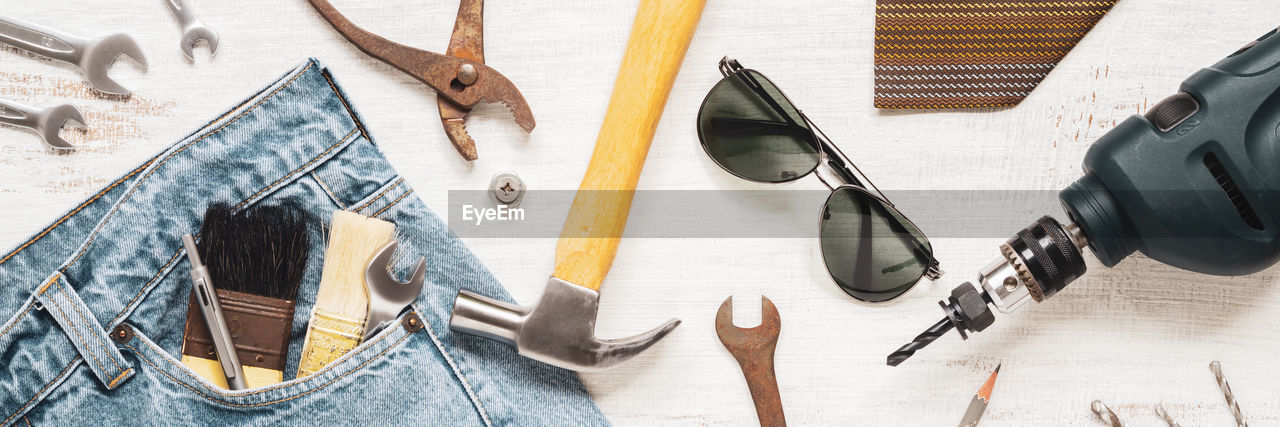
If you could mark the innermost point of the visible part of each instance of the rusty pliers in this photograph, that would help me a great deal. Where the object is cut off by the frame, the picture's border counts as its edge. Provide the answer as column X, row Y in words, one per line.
column 459, row 76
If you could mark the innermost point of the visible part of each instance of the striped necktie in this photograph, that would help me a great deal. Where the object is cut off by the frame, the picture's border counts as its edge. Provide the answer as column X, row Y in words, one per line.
column 973, row 53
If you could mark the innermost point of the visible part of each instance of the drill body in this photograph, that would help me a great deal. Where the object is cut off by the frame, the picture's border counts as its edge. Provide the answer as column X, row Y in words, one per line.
column 1193, row 183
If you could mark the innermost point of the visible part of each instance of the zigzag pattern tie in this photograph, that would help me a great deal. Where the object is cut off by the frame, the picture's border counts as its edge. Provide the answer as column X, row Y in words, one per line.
column 973, row 53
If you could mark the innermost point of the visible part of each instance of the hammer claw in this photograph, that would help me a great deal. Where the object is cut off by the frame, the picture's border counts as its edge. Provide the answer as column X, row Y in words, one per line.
column 558, row 330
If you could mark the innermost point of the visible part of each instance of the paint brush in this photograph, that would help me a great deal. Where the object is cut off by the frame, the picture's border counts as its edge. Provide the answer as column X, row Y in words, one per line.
column 258, row 258
column 342, row 302
column 979, row 403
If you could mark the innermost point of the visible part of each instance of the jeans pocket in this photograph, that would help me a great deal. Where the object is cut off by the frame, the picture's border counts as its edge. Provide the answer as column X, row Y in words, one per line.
column 174, row 380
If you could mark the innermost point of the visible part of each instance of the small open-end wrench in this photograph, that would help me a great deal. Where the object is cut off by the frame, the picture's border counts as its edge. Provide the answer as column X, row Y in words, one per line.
column 93, row 56
column 192, row 29
column 753, row 347
column 45, row 122
column 388, row 296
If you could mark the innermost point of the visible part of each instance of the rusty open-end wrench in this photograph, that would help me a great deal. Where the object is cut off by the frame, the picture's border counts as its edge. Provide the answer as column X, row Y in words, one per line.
column 753, row 347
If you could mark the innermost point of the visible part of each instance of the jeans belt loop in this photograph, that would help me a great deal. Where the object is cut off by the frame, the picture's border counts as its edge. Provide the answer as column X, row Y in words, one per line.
column 85, row 332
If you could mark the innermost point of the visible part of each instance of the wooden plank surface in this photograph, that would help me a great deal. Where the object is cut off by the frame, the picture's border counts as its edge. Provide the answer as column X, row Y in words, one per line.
column 1133, row 336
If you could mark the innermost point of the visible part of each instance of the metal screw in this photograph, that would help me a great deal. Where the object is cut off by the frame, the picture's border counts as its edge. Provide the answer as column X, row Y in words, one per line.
column 467, row 74
column 1216, row 367
column 507, row 188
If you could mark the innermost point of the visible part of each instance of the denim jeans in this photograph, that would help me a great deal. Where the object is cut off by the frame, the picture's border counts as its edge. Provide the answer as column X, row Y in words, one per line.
column 93, row 306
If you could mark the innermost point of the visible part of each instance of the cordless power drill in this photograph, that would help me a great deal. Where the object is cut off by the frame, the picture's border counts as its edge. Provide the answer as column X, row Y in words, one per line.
column 1192, row 183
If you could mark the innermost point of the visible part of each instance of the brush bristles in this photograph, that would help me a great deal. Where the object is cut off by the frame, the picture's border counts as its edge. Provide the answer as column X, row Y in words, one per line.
column 260, row 251
column 353, row 240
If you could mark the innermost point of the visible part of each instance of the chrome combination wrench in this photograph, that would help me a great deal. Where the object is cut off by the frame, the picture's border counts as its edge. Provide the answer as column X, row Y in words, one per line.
column 192, row 29
column 45, row 122
column 92, row 55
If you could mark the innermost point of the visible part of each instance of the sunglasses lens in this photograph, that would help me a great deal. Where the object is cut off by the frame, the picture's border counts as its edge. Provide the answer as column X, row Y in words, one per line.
column 871, row 251
column 751, row 130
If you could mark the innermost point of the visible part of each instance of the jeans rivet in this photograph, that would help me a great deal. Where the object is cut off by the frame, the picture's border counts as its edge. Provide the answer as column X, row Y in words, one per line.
column 411, row 322
column 122, row 334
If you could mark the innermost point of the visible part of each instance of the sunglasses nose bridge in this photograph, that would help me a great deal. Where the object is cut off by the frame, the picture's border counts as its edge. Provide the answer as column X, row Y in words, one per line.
column 833, row 181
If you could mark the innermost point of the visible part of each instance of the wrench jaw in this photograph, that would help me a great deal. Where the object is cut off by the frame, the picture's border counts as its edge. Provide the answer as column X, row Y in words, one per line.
column 52, row 121
column 102, row 53
column 744, row 340
column 195, row 34
column 387, row 295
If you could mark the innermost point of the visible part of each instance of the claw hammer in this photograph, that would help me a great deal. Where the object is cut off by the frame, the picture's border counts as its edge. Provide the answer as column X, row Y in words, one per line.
column 560, row 328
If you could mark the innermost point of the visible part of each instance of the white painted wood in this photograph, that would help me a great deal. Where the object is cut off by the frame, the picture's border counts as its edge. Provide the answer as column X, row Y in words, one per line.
column 1132, row 336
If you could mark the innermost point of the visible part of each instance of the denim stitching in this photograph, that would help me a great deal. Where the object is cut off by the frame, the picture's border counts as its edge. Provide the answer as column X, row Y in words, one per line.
column 379, row 196
column 42, row 390
column 17, row 319
column 63, row 291
column 74, row 212
column 27, row 421
column 466, row 385
column 239, row 405
column 329, row 192
column 315, row 159
column 343, row 99
column 121, row 377
column 393, row 202
column 160, row 273
column 54, row 302
column 343, row 358
column 114, row 209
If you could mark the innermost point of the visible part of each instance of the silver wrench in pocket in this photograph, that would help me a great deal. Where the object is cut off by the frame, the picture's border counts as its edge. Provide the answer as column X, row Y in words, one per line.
column 93, row 56
column 388, row 296
column 45, row 122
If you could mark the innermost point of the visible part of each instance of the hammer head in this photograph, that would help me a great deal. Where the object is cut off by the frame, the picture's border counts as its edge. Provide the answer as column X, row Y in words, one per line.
column 559, row 330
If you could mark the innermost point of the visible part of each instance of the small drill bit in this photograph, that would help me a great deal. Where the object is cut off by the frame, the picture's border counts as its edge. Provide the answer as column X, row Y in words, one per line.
column 1164, row 415
column 928, row 336
column 1108, row 416
column 980, row 400
column 1216, row 367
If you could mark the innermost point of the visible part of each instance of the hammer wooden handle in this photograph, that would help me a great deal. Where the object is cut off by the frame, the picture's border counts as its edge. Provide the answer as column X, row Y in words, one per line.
column 659, row 38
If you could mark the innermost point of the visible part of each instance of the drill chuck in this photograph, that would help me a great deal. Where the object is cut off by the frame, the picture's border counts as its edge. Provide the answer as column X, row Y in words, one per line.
column 1034, row 265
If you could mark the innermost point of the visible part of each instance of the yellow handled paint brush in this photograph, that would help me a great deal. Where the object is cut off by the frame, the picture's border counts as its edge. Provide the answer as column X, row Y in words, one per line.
column 342, row 302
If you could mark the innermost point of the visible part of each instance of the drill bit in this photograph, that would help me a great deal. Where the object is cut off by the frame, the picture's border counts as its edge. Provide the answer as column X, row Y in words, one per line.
column 1164, row 415
column 1216, row 367
column 928, row 336
column 1106, row 414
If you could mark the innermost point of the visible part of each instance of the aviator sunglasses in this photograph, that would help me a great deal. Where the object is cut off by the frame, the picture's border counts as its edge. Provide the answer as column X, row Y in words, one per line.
column 752, row 130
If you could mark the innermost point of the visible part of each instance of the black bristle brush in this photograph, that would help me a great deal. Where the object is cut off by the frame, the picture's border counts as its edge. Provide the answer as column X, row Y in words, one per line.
column 257, row 258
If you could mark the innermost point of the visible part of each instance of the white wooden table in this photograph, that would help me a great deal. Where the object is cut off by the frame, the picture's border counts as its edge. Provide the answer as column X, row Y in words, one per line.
column 1133, row 336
